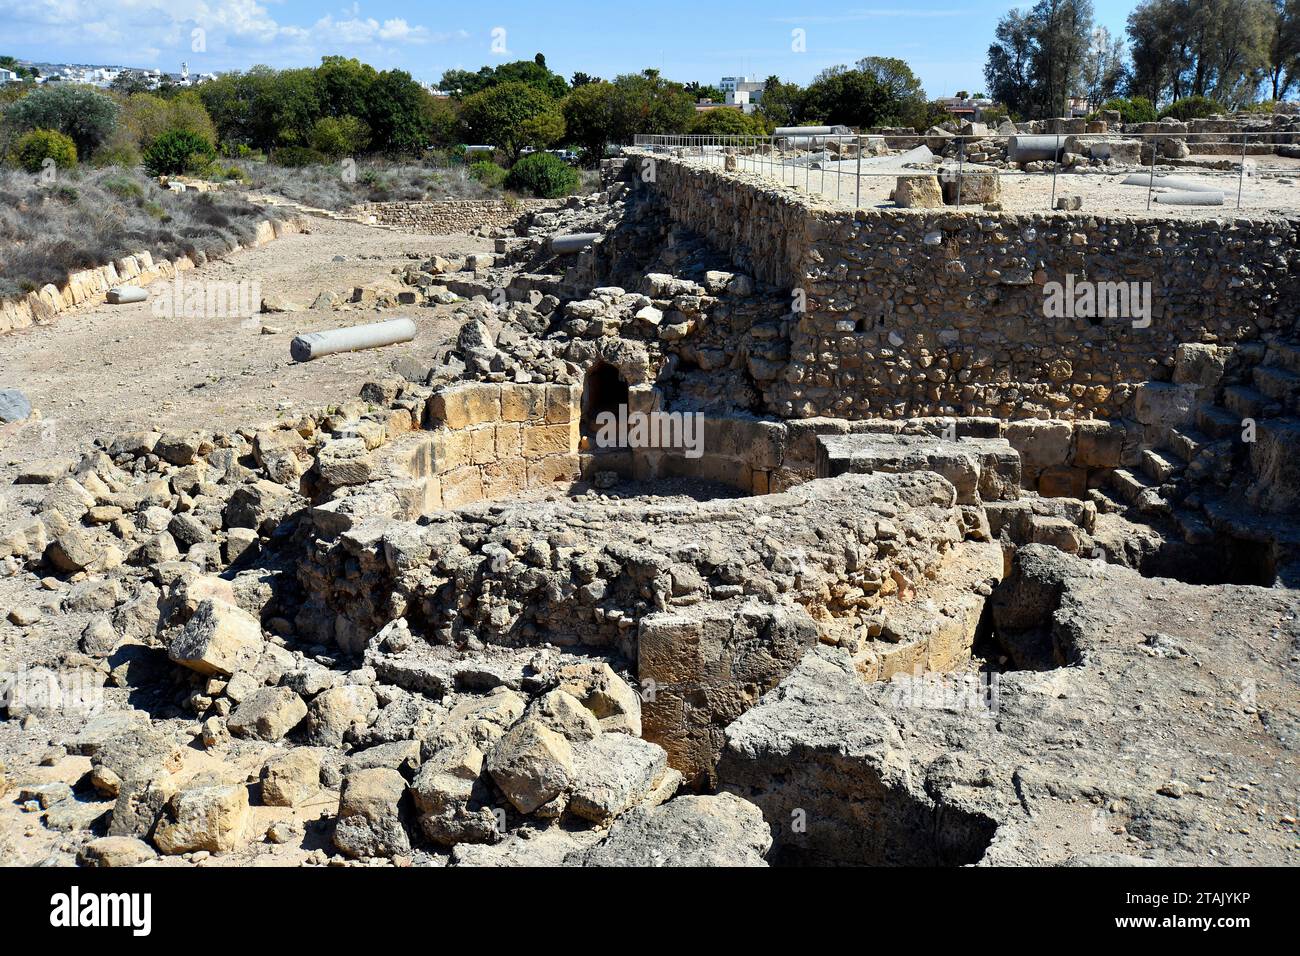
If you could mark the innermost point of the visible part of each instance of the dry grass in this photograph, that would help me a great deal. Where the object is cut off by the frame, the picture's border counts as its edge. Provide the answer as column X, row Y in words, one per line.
column 325, row 187
column 90, row 218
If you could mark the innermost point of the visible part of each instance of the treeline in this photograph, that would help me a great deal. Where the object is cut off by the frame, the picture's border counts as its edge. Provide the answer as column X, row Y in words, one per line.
column 1194, row 57
column 346, row 108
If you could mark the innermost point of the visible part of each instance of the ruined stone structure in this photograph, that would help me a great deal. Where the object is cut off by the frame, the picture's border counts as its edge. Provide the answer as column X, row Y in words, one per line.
column 944, row 581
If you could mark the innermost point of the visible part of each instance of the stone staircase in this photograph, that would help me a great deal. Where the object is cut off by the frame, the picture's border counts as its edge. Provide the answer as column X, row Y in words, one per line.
column 1233, row 453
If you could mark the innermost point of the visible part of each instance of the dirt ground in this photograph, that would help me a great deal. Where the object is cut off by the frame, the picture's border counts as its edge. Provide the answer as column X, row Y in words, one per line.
column 99, row 371
column 1271, row 187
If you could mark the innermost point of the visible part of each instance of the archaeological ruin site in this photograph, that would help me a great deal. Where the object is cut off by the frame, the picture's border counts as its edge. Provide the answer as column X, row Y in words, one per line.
column 727, row 515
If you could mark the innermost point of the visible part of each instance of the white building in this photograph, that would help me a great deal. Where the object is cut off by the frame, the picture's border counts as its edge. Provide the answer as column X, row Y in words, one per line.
column 9, row 76
column 744, row 92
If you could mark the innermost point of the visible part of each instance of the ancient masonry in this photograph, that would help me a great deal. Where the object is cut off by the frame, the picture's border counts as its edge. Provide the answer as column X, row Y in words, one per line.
column 945, row 581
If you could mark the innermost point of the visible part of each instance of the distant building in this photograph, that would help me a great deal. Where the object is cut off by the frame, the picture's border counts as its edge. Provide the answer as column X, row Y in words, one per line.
column 9, row 76
column 742, row 92
column 966, row 107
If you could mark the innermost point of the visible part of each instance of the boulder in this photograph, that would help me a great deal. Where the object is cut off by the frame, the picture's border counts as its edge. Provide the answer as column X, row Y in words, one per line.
column 211, row 818
column 369, row 819
column 532, row 764
column 220, row 638
column 722, row 830
column 268, row 714
column 115, row 851
column 918, row 192
column 612, row 773
column 291, row 778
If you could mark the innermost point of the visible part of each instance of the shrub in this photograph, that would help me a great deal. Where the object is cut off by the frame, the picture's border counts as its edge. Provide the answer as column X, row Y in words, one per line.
column 123, row 154
column 489, row 174
column 296, row 157
column 1193, row 107
column 123, row 188
column 32, row 149
column 178, row 151
column 1133, row 109
column 543, row 175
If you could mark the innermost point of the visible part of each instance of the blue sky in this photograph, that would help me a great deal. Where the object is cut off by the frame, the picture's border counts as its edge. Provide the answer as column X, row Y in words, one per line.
column 943, row 40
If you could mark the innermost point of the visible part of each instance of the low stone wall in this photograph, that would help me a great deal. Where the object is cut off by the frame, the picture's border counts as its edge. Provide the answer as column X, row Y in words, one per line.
column 90, row 286
column 478, row 441
column 913, row 313
column 452, row 215
column 1059, row 457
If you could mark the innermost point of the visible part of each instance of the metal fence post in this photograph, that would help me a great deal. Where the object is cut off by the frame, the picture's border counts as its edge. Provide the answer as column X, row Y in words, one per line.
column 857, row 196
column 1241, row 172
column 1151, row 179
column 961, row 167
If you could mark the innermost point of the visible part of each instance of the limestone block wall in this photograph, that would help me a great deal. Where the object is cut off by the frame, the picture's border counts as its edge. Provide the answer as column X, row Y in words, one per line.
column 90, row 286
column 1058, row 457
column 916, row 312
column 452, row 215
column 492, row 440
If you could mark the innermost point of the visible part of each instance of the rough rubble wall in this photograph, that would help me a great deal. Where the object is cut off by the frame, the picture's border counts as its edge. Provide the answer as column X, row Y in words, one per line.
column 451, row 215
column 937, row 313
column 716, row 601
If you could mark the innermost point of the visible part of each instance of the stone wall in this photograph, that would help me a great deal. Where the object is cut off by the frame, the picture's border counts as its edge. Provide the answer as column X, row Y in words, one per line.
column 478, row 441
column 913, row 313
column 90, row 286
column 452, row 215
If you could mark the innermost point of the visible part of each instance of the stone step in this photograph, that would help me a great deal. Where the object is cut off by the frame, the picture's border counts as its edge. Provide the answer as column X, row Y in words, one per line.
column 1278, row 384
column 1285, row 355
column 1139, row 491
column 1186, row 442
column 1195, row 529
column 1160, row 465
column 1217, row 422
column 1246, row 402
column 1105, row 502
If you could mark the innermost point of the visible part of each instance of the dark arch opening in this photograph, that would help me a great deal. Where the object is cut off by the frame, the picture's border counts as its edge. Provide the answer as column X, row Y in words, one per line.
column 603, row 390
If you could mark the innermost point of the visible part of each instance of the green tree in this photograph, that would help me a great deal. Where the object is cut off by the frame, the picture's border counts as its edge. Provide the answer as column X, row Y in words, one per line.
column 511, row 116
column 701, row 91
column 1284, row 48
column 1036, row 62
column 1222, row 49
column 589, row 116
column 531, row 72
column 727, row 121
column 147, row 117
column 840, row 96
column 343, row 85
column 782, row 103
column 85, row 116
column 399, row 113
column 340, row 136
column 1009, row 69
column 647, row 103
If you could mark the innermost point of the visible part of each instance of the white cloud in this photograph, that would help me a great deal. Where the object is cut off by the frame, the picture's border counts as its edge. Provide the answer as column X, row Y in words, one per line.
column 238, row 31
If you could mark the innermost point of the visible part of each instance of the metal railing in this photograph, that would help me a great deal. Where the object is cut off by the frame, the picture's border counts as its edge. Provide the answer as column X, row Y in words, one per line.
column 1247, row 167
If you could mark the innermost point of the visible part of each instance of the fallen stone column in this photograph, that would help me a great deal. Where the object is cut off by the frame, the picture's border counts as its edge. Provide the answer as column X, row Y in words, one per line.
column 313, row 345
